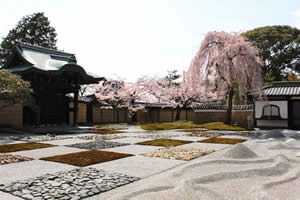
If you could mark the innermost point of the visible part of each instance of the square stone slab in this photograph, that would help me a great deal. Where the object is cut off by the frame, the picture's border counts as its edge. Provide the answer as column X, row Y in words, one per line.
column 29, row 169
column 65, row 141
column 73, row 184
column 134, row 149
column 139, row 166
column 46, row 152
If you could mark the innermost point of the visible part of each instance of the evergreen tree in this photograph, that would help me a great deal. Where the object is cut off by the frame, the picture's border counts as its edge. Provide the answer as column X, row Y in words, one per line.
column 32, row 29
column 13, row 89
column 172, row 78
column 279, row 47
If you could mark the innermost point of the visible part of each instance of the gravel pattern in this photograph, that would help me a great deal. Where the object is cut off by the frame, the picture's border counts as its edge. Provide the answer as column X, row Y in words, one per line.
column 204, row 134
column 100, row 137
column 69, row 185
column 9, row 158
column 100, row 144
column 156, row 136
column 179, row 153
column 45, row 138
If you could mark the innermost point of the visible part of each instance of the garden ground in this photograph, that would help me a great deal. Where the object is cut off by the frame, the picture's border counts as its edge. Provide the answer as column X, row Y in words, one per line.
column 262, row 167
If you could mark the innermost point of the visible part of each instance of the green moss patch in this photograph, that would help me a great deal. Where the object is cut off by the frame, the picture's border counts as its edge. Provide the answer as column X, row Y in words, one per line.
column 23, row 147
column 165, row 142
column 222, row 140
column 104, row 132
column 220, row 126
column 86, row 158
column 188, row 125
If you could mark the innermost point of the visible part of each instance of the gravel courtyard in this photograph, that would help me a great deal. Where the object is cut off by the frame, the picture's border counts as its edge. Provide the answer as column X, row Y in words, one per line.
column 26, row 175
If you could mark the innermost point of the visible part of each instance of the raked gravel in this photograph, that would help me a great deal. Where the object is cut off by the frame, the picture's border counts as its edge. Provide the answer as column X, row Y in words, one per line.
column 156, row 136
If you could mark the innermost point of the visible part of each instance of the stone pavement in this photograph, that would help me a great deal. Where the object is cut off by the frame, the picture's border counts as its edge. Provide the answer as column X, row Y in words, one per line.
column 40, row 179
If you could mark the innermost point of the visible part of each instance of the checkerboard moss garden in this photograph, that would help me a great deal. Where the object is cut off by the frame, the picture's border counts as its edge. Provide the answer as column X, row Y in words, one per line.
column 23, row 147
column 165, row 142
column 86, row 158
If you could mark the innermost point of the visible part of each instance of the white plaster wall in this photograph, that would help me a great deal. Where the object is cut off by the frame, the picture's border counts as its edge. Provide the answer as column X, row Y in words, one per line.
column 272, row 123
column 283, row 105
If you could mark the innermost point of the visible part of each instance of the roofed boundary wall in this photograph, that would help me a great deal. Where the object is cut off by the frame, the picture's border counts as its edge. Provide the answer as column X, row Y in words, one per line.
column 12, row 116
column 102, row 116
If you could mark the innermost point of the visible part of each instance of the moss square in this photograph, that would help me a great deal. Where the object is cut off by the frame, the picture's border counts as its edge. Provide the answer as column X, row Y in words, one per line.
column 86, row 158
column 164, row 142
column 23, row 147
column 222, row 140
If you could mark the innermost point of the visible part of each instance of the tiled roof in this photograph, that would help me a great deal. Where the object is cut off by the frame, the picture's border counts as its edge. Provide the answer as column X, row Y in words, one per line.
column 154, row 105
column 287, row 88
column 282, row 91
column 224, row 107
column 43, row 60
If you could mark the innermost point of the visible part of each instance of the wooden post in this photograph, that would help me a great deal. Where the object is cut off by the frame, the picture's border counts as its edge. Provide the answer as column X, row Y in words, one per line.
column 186, row 114
column 75, row 117
column 158, row 116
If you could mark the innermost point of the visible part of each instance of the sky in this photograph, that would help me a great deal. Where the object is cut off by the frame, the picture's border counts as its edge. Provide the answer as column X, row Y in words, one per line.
column 131, row 38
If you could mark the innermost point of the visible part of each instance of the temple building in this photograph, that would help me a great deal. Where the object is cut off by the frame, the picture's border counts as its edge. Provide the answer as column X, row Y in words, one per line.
column 281, row 110
column 52, row 74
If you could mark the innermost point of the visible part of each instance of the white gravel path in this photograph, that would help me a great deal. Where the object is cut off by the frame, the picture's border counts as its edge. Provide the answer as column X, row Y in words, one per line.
column 65, row 142
column 139, row 166
column 133, row 149
column 259, row 169
column 29, row 169
column 47, row 152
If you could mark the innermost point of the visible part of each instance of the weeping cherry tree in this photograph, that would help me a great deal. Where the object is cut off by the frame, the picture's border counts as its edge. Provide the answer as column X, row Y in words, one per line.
column 223, row 62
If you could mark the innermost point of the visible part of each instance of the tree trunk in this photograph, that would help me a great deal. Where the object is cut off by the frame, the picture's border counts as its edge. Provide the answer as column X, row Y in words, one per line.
column 178, row 110
column 229, row 107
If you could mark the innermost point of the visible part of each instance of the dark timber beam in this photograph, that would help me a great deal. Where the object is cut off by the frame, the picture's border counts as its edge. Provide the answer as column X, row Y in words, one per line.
column 75, row 116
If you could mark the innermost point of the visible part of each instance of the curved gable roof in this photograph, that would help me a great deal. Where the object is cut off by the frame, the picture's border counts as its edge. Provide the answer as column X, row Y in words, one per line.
column 44, row 60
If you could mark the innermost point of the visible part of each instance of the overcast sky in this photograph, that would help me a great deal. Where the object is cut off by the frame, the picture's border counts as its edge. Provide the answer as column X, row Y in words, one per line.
column 131, row 38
